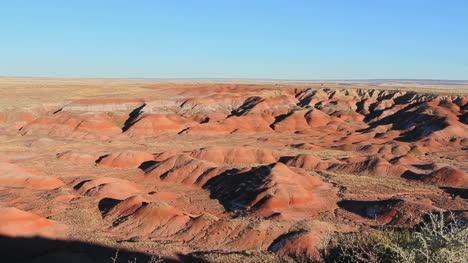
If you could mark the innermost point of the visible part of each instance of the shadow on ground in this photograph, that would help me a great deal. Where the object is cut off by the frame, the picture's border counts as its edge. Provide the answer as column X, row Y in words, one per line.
column 37, row 249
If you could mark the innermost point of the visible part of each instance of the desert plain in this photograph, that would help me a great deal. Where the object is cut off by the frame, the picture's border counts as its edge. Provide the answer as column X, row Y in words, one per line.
column 141, row 170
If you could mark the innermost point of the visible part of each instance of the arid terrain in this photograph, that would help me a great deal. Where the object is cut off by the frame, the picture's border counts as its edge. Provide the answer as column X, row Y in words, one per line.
column 122, row 170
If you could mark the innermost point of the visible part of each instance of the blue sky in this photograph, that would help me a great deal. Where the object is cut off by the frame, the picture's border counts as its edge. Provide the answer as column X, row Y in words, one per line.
column 289, row 39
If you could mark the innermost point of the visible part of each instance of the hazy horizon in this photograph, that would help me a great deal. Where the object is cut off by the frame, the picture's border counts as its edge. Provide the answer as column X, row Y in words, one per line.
column 243, row 79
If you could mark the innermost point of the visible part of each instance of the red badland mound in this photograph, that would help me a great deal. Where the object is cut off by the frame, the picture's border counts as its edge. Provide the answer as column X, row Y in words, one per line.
column 236, row 155
column 155, row 218
column 184, row 169
column 317, row 118
column 16, row 176
column 126, row 207
column 453, row 130
column 447, row 176
column 108, row 187
column 309, row 97
column 17, row 118
column 392, row 211
column 16, row 223
column 302, row 243
column 72, row 124
column 343, row 109
column 236, row 124
column 149, row 125
column 254, row 116
column 306, row 146
column 418, row 150
column 160, row 105
column 294, row 121
column 422, row 120
column 139, row 219
column 267, row 106
column 354, row 139
column 372, row 166
column 409, row 159
column 409, row 210
column 286, row 189
column 219, row 103
column 302, row 120
column 145, row 219
column 79, row 157
column 271, row 189
column 311, row 162
column 167, row 154
column 445, row 123
column 386, row 149
column 126, row 159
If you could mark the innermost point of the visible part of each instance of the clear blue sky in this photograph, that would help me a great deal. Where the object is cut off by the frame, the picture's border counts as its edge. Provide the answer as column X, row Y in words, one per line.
column 360, row 39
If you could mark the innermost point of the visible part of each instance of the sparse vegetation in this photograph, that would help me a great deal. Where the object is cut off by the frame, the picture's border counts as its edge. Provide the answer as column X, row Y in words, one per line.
column 152, row 259
column 363, row 184
column 440, row 239
column 219, row 257
column 260, row 204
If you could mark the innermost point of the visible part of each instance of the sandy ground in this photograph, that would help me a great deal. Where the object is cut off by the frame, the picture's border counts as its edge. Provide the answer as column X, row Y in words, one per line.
column 234, row 169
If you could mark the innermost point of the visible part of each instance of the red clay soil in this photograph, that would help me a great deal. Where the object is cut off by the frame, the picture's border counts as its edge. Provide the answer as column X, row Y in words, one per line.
column 229, row 168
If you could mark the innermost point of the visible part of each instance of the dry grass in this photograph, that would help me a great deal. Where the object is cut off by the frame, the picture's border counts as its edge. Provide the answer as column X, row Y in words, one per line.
column 234, row 257
column 361, row 184
column 322, row 153
column 440, row 239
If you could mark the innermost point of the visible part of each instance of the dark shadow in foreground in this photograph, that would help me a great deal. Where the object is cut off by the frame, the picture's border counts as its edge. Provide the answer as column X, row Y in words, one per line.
column 37, row 249
column 461, row 192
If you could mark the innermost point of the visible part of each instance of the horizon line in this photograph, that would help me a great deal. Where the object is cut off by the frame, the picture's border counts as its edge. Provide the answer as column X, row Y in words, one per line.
column 242, row 79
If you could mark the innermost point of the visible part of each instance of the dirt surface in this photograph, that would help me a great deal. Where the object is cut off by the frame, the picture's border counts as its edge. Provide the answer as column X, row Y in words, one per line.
column 152, row 170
